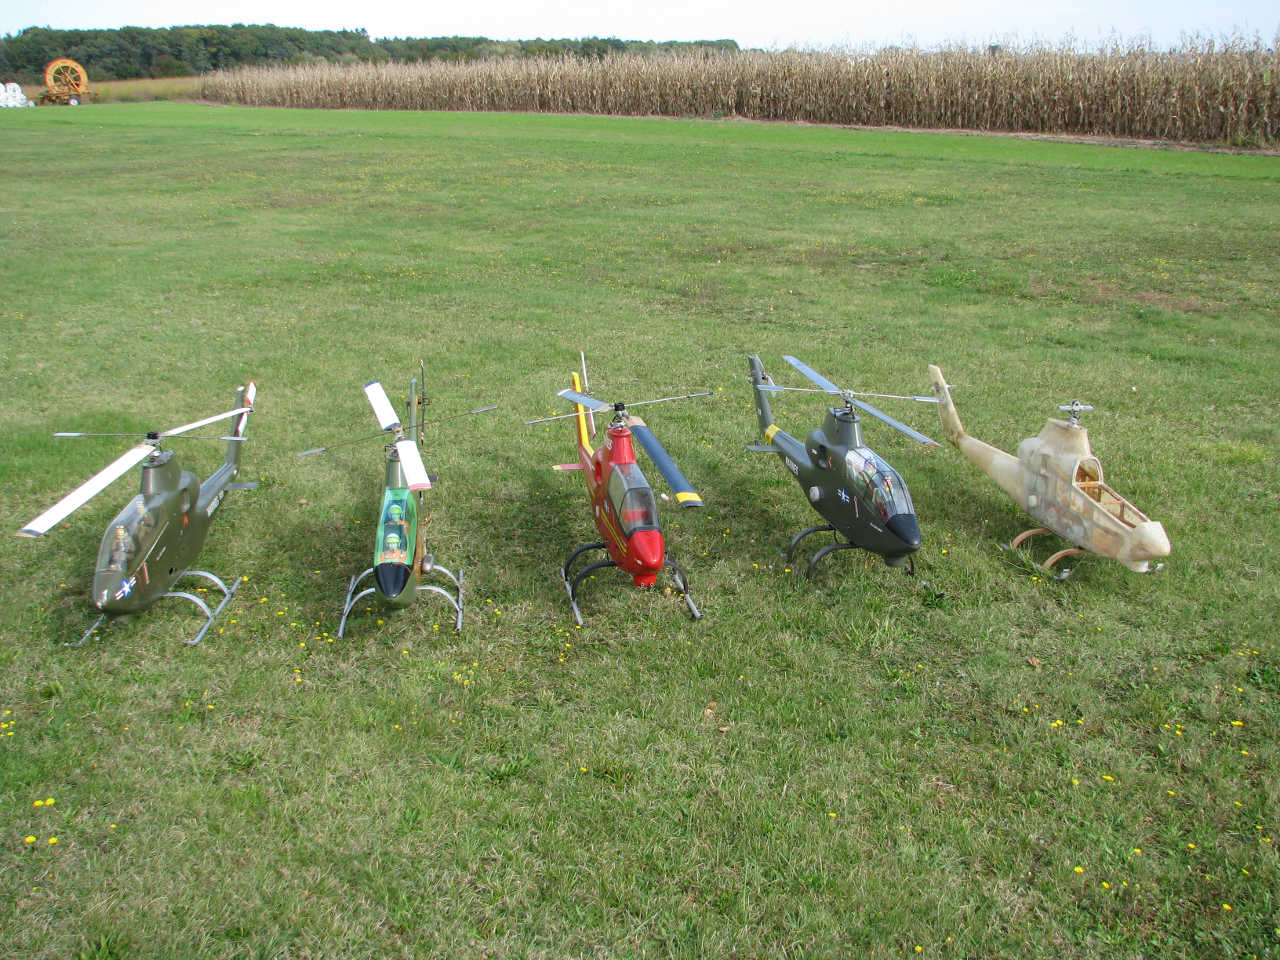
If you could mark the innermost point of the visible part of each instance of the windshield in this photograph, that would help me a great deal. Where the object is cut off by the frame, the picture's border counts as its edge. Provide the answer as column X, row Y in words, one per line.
column 878, row 483
column 130, row 534
column 396, row 533
column 632, row 499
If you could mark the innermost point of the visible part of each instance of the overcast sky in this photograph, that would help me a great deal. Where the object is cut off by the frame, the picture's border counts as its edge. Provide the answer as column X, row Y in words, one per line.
column 752, row 23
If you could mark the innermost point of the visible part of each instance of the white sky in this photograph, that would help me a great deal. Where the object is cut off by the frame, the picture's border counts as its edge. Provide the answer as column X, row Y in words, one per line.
column 753, row 23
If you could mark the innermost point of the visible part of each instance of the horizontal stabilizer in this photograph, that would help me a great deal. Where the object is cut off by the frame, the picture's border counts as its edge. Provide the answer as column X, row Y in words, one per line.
column 247, row 485
column 567, row 466
column 764, row 448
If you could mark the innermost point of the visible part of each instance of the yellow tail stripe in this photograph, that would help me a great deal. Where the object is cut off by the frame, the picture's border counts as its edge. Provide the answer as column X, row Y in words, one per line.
column 688, row 496
column 583, row 438
column 769, row 431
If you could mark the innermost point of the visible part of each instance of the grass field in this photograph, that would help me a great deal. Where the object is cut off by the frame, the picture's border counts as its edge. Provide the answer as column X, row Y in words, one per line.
column 1013, row 768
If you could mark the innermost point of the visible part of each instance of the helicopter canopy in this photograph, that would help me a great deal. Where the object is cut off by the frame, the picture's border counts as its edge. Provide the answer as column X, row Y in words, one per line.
column 130, row 535
column 877, row 482
column 632, row 499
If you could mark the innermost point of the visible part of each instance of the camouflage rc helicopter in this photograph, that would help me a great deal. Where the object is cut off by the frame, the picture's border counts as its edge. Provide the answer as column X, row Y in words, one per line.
column 1056, row 478
column 151, row 543
column 400, row 557
column 861, row 497
column 622, row 502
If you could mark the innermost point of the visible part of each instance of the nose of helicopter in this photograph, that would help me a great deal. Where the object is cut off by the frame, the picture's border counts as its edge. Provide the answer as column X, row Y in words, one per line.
column 647, row 549
column 905, row 528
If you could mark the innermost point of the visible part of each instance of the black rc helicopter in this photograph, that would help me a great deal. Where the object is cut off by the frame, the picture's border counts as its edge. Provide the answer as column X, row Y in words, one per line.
column 862, row 498
column 150, row 544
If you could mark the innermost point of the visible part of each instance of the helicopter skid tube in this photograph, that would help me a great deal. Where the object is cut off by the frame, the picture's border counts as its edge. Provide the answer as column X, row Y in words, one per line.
column 572, row 586
column 829, row 548
column 88, row 633
column 795, row 541
column 210, row 616
column 682, row 582
column 1026, row 535
column 351, row 600
column 455, row 601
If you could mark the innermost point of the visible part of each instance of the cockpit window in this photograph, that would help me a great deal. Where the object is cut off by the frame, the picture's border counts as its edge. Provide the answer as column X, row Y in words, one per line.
column 878, row 482
column 398, row 528
column 632, row 499
column 132, row 531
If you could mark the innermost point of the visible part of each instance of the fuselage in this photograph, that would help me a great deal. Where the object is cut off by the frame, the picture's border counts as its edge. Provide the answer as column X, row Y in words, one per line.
column 1056, row 478
column 153, row 540
column 395, row 553
column 623, row 506
column 844, row 480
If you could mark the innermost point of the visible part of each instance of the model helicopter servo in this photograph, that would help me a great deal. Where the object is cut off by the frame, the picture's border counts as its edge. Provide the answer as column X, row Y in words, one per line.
column 400, row 557
column 152, row 542
column 1056, row 478
column 862, row 498
column 622, row 502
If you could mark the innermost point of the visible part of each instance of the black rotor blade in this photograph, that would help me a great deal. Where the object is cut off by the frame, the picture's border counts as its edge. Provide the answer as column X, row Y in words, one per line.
column 914, row 435
column 686, row 496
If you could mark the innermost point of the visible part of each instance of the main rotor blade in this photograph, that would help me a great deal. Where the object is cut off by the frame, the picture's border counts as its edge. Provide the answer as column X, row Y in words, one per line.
column 465, row 413
column 591, row 403
column 411, row 461
column 188, row 427
column 914, row 435
column 774, row 388
column 812, row 374
column 382, row 408
column 686, row 496
column 683, row 396
column 82, row 494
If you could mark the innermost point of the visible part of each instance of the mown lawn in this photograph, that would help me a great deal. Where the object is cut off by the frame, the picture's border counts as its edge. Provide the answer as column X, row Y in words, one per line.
column 1015, row 767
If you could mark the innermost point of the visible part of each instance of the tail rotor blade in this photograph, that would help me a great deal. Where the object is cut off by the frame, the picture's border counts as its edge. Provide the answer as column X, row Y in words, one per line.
column 411, row 461
column 686, row 496
column 82, row 494
column 914, row 435
column 382, row 408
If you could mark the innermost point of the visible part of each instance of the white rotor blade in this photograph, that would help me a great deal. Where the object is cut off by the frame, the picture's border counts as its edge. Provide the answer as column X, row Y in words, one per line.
column 382, row 408
column 82, row 494
column 186, row 427
column 591, row 403
column 411, row 461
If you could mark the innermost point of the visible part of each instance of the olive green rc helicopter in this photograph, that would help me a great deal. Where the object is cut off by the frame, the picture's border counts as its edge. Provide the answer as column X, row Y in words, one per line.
column 863, row 499
column 151, row 543
column 400, row 557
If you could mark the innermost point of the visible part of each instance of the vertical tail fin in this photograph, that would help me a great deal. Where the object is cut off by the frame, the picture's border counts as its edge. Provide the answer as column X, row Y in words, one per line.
column 951, row 424
column 244, row 398
column 759, row 377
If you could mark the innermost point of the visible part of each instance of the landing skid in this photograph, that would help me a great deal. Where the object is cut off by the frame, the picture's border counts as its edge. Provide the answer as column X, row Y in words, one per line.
column 1048, row 565
column 209, row 615
column 428, row 566
column 571, row 583
column 832, row 548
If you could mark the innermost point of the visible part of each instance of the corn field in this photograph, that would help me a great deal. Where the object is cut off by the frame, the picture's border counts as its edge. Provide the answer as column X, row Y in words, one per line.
column 1206, row 91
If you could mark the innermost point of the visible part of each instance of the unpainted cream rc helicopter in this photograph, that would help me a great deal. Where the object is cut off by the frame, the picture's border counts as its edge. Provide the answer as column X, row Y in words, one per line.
column 1056, row 478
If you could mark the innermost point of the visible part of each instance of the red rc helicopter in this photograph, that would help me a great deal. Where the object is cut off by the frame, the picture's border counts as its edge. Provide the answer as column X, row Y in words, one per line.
column 622, row 502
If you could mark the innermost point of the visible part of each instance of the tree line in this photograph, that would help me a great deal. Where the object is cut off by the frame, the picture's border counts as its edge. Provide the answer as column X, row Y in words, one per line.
column 131, row 52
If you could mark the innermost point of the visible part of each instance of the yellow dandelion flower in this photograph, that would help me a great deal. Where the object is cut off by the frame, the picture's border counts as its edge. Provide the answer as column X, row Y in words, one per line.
column 52, row 841
column 28, row 839
column 1079, row 869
